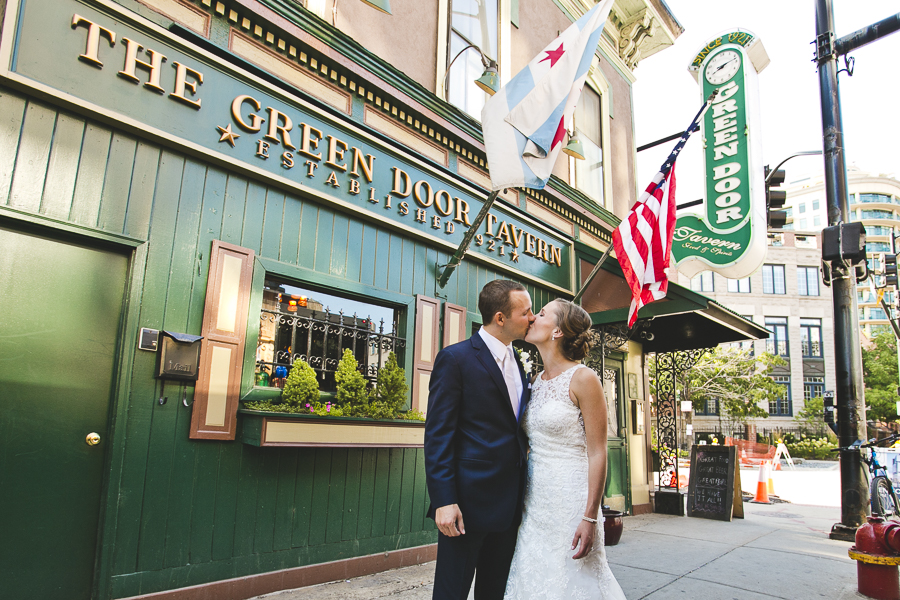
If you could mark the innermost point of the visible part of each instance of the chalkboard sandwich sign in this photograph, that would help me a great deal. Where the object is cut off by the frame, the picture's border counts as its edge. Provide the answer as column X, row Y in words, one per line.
column 714, row 491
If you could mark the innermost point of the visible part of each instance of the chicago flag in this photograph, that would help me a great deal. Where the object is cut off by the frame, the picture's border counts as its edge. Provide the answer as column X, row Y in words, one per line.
column 524, row 123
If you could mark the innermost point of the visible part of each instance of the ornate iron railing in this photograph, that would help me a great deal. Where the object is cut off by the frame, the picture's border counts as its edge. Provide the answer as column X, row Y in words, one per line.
column 319, row 338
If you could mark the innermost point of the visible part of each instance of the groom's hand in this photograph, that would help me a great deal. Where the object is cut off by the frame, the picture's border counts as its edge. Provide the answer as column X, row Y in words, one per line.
column 449, row 520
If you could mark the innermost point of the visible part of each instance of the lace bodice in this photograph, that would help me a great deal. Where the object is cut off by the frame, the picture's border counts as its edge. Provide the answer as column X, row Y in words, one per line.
column 556, row 496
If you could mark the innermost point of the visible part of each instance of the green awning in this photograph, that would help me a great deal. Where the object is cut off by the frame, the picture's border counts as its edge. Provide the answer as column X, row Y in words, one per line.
column 683, row 320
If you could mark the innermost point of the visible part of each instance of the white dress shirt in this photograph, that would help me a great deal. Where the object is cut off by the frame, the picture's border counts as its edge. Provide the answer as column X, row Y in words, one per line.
column 506, row 361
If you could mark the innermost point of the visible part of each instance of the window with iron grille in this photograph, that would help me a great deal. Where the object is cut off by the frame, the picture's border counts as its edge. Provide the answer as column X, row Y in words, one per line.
column 777, row 344
column 298, row 323
column 813, row 387
column 773, row 279
column 781, row 406
column 808, row 281
column 811, row 337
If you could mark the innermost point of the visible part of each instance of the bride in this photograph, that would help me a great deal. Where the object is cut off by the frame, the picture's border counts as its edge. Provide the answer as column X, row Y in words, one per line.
column 560, row 552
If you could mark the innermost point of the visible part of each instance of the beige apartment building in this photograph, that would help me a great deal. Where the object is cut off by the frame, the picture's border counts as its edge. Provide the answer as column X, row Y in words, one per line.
column 875, row 201
column 788, row 297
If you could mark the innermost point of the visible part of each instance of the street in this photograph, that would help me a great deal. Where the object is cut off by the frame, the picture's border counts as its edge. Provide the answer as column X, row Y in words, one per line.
column 779, row 551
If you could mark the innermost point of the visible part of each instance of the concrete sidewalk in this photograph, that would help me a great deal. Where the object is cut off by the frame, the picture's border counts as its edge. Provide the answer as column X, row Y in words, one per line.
column 777, row 551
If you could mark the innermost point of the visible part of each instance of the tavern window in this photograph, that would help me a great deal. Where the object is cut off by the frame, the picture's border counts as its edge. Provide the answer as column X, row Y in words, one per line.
column 471, row 22
column 300, row 323
column 588, row 124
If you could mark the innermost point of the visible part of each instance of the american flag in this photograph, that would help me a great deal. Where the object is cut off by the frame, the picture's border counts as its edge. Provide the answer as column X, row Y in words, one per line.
column 643, row 240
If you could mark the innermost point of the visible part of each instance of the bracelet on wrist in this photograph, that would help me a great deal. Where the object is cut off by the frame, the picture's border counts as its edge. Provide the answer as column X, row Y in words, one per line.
column 588, row 519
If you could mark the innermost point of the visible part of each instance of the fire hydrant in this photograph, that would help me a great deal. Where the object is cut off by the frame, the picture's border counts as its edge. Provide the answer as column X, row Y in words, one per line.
column 876, row 555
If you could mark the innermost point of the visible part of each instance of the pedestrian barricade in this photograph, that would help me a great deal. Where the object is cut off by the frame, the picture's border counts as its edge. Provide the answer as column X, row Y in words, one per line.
column 751, row 454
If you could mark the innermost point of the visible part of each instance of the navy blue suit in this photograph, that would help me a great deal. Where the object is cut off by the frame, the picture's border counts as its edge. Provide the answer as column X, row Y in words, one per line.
column 475, row 457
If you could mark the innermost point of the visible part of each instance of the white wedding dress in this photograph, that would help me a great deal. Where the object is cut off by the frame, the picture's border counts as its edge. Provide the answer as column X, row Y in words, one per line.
column 555, row 498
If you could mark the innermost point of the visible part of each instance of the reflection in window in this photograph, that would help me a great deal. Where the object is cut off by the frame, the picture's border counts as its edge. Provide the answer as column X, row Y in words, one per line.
column 811, row 337
column 589, row 172
column 777, row 343
column 297, row 323
column 471, row 22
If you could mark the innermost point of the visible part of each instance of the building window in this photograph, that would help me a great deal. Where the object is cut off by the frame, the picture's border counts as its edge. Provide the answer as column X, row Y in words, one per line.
column 703, row 282
column 811, row 338
column 298, row 323
column 801, row 208
column 471, row 22
column 817, row 221
column 709, row 407
column 815, row 205
column 589, row 172
column 741, row 286
column 877, row 313
column 878, row 247
column 789, row 211
column 773, row 279
column 808, row 281
column 877, row 214
column 802, row 224
column 781, row 406
column 874, row 198
column 813, row 387
column 777, row 343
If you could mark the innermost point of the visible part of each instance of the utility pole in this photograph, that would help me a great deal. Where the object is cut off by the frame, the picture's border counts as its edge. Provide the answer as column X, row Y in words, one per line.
column 849, row 395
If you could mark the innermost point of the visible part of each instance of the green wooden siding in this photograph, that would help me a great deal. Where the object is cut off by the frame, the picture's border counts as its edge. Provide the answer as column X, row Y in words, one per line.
column 185, row 512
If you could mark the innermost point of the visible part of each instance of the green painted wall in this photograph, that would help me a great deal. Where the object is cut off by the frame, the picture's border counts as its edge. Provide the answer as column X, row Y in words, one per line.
column 182, row 512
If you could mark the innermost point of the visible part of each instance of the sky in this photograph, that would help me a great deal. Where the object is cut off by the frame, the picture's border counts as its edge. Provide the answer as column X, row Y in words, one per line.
column 666, row 97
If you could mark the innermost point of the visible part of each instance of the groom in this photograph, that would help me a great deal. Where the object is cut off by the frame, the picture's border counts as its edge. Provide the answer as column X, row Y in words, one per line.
column 475, row 448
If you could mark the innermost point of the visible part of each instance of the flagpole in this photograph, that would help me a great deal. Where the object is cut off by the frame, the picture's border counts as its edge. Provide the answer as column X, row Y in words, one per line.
column 456, row 259
column 695, row 124
column 593, row 273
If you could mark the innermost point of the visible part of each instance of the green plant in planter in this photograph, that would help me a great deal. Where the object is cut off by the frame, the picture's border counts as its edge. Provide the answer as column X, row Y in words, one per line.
column 389, row 396
column 352, row 395
column 301, row 386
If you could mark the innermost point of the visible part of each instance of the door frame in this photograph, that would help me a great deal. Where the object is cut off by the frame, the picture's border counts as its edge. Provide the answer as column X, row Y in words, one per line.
column 135, row 251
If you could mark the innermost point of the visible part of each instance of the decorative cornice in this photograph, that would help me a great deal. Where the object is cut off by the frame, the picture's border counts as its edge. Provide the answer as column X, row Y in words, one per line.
column 307, row 42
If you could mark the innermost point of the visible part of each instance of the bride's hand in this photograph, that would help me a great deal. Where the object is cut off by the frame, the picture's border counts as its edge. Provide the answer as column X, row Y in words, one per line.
column 584, row 534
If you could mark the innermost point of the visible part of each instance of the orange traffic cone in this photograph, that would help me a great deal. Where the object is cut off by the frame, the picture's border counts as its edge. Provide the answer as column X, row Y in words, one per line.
column 762, row 486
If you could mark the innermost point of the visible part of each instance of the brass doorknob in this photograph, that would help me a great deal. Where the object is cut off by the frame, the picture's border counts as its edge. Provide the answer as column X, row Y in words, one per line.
column 92, row 439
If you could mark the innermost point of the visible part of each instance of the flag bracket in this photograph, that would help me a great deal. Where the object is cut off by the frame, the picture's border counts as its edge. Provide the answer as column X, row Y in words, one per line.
column 447, row 270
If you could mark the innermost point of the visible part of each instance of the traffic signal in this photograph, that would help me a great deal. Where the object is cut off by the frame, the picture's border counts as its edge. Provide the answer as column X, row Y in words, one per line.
column 890, row 270
column 775, row 198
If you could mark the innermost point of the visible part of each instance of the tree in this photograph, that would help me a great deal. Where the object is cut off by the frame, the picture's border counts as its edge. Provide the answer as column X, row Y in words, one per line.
column 351, row 385
column 389, row 396
column 812, row 418
column 880, row 377
column 740, row 381
column 301, row 386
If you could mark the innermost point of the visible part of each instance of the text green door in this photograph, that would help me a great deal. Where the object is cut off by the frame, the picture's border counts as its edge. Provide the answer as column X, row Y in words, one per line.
column 60, row 312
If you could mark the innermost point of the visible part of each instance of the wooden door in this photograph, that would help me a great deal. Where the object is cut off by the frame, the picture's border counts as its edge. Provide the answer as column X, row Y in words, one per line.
column 60, row 312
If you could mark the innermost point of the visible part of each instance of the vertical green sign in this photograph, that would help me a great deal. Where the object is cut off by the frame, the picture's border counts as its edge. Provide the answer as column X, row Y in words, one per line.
column 728, row 233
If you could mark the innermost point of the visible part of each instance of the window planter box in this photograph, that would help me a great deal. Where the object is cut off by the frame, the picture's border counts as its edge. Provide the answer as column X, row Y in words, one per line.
column 279, row 429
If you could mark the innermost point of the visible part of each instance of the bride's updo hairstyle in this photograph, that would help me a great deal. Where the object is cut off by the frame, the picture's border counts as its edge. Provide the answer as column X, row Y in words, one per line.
column 575, row 324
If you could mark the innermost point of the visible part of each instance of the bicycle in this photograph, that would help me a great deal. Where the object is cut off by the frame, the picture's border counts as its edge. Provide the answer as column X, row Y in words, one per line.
column 882, row 497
